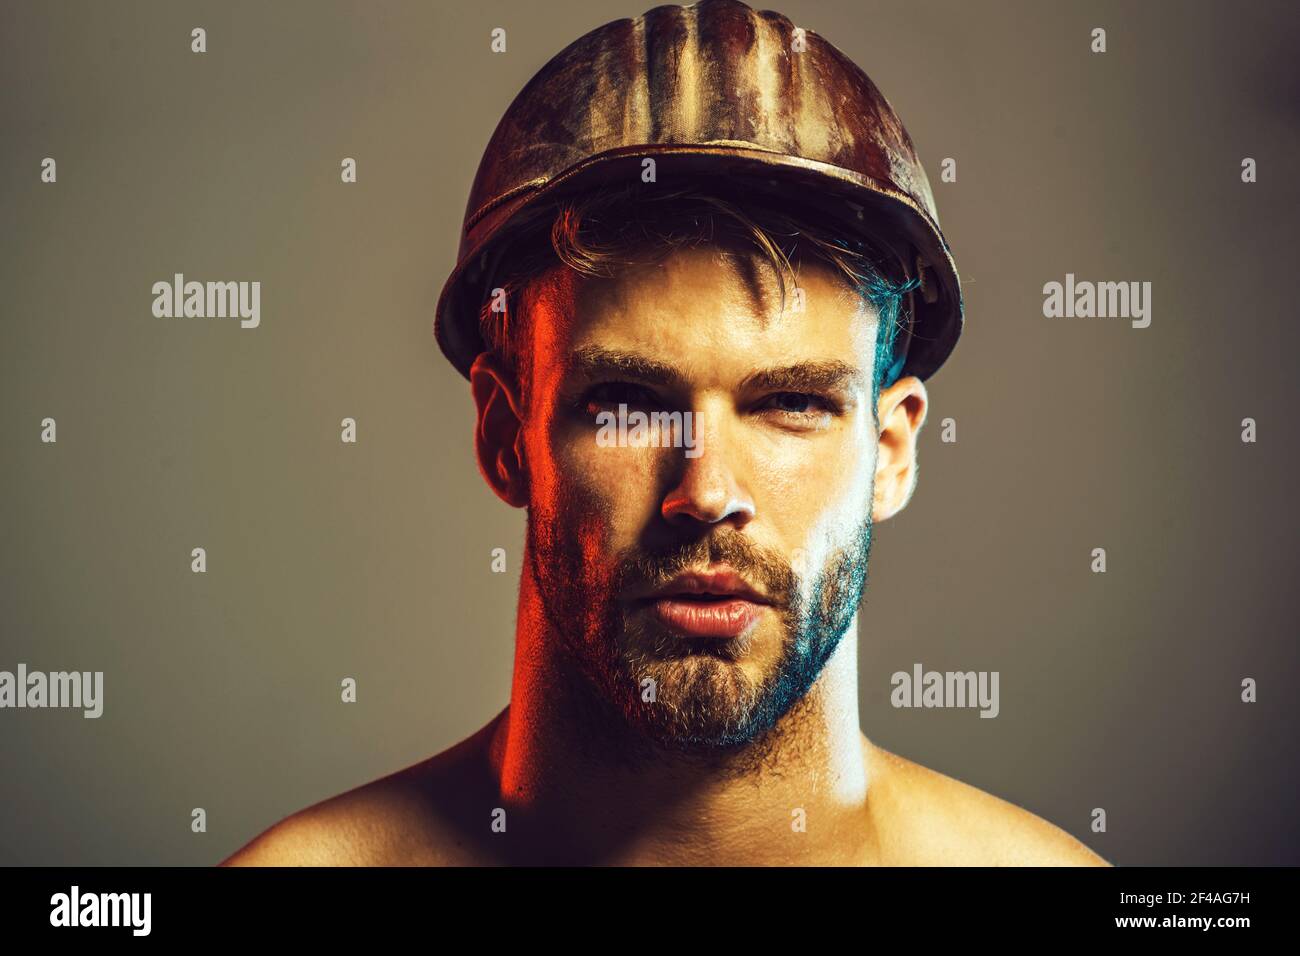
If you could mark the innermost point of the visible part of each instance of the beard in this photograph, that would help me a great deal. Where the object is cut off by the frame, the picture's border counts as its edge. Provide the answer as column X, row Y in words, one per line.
column 642, row 690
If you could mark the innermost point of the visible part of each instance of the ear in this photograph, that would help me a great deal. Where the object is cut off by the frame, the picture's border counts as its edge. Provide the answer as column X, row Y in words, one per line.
column 901, row 411
column 498, row 433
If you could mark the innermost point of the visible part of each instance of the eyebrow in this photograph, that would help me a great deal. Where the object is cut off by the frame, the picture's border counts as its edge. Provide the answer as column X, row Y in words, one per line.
column 593, row 361
column 806, row 377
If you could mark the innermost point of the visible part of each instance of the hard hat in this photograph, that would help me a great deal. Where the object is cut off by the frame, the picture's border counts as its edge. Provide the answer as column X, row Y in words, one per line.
column 713, row 92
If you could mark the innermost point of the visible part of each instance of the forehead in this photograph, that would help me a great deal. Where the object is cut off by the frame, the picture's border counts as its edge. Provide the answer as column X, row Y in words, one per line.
column 712, row 311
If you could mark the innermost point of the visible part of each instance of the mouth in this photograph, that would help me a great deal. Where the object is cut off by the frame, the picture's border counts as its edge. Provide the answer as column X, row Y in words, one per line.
column 716, row 604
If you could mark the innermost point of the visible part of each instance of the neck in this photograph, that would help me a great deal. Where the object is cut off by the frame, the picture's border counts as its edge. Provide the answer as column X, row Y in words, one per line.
column 571, row 794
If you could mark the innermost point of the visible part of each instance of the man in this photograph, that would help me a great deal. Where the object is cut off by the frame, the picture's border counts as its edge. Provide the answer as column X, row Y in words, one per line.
column 700, row 283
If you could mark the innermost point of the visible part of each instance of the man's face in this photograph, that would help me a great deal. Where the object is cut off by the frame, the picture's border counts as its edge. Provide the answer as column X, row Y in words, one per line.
column 777, row 492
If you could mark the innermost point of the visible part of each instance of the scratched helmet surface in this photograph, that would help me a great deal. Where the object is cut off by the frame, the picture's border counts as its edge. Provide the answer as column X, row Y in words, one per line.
column 713, row 92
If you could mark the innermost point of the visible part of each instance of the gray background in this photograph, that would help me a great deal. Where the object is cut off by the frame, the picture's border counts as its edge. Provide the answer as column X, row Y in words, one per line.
column 372, row 561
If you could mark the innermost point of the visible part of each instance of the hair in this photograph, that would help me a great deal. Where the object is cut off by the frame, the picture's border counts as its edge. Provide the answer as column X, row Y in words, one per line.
column 599, row 232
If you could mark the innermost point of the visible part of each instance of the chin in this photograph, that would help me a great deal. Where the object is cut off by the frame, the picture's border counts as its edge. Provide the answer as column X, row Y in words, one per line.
column 701, row 700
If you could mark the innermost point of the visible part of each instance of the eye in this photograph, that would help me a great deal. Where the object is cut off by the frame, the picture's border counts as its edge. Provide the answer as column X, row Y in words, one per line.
column 607, row 396
column 799, row 409
column 799, row 403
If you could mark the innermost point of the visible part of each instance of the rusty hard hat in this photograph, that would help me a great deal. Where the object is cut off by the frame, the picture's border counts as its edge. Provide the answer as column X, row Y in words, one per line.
column 713, row 92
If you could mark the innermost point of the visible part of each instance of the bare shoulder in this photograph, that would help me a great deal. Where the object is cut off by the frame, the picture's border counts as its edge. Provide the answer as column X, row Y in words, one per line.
column 408, row 818
column 926, row 818
column 368, row 826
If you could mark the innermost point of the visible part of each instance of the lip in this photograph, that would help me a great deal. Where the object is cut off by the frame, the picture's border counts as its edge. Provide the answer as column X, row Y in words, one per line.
column 722, row 582
column 719, row 619
column 711, row 604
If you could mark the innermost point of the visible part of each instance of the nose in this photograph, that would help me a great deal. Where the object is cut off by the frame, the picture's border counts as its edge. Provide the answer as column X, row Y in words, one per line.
column 709, row 487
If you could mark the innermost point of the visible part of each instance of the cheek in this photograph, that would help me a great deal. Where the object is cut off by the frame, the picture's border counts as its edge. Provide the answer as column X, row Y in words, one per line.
column 608, row 492
column 816, row 495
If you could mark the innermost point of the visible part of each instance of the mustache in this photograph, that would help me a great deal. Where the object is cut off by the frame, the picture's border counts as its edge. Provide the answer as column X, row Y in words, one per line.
column 760, row 567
